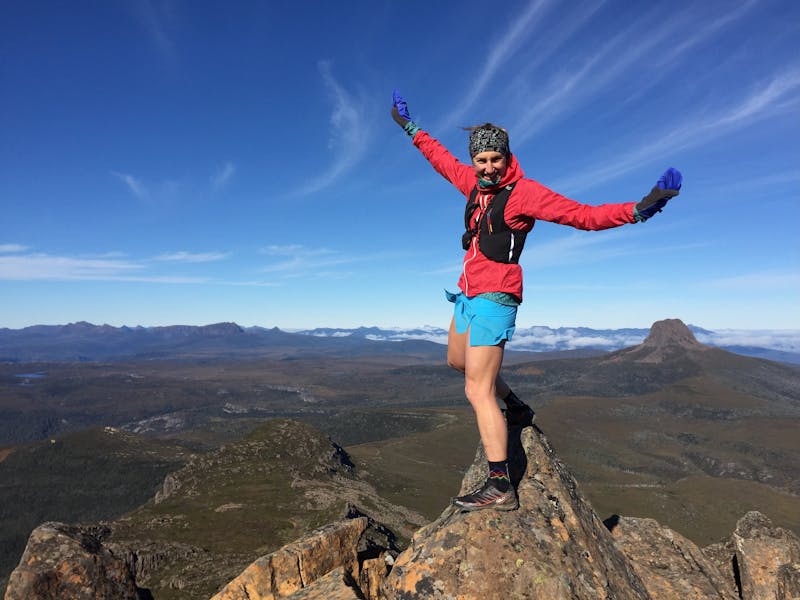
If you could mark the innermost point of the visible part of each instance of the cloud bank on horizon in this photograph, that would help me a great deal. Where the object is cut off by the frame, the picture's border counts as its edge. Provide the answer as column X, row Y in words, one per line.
column 540, row 338
column 167, row 166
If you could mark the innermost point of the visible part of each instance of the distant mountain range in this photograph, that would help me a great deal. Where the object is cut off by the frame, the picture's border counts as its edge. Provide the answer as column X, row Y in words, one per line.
column 87, row 342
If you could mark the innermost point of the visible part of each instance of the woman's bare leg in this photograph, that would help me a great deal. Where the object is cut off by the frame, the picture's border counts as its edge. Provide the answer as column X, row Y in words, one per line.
column 481, row 368
column 457, row 344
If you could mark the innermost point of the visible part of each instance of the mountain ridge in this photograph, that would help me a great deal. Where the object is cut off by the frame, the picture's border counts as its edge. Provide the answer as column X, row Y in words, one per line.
column 83, row 341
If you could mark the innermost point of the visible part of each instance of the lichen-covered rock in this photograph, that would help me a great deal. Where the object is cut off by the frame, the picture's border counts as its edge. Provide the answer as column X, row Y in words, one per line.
column 554, row 546
column 373, row 573
column 296, row 565
column 723, row 555
column 765, row 555
column 670, row 566
column 789, row 581
column 335, row 585
column 68, row 562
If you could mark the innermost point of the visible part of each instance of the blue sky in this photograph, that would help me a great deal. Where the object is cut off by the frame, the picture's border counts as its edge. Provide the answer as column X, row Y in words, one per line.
column 194, row 162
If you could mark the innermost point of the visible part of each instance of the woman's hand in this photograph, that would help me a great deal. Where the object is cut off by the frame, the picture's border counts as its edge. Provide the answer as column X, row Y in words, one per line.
column 400, row 114
column 668, row 186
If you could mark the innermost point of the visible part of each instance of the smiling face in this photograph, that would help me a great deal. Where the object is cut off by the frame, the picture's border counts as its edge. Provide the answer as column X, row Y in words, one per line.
column 490, row 165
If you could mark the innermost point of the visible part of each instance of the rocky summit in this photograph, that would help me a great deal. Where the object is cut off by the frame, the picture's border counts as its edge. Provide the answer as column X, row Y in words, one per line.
column 553, row 547
column 668, row 339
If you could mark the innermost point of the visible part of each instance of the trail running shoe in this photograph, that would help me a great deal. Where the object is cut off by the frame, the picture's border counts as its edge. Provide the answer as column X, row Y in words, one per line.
column 519, row 416
column 488, row 496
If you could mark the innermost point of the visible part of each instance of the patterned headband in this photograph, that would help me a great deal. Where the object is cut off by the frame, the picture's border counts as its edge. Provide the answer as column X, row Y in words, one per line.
column 486, row 138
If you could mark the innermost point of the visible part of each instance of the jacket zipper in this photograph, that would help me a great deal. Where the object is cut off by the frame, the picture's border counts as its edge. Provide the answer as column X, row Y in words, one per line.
column 482, row 204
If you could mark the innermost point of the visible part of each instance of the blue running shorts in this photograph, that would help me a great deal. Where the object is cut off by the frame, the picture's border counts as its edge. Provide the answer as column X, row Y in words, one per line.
column 489, row 322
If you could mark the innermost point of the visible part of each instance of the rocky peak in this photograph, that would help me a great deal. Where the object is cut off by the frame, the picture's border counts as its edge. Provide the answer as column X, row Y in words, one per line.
column 671, row 332
column 669, row 340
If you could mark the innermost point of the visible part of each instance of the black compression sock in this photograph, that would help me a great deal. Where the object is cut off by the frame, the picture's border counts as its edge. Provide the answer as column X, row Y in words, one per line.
column 498, row 475
column 512, row 401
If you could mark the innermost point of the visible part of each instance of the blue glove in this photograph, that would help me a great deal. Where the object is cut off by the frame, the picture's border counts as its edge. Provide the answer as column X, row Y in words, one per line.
column 668, row 186
column 401, row 115
column 670, row 180
column 400, row 103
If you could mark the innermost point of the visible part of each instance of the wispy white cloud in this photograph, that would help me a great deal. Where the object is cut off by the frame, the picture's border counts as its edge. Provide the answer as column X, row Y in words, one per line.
column 617, row 59
column 112, row 266
column 135, row 186
column 223, row 175
column 584, row 248
column 695, row 36
column 37, row 266
column 349, row 135
column 607, row 64
column 192, row 257
column 292, row 249
column 298, row 261
column 507, row 43
column 767, row 101
column 165, row 192
column 758, row 282
column 154, row 16
column 10, row 248
column 691, row 28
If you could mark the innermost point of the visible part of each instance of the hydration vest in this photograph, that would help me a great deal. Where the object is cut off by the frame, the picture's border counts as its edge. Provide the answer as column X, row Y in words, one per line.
column 496, row 240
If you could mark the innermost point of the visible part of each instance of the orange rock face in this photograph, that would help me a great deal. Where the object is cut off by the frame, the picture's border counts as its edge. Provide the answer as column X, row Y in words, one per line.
column 299, row 564
column 69, row 563
column 669, row 565
column 767, row 558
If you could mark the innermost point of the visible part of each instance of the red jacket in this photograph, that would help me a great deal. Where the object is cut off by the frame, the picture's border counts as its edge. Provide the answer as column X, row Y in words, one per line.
column 529, row 201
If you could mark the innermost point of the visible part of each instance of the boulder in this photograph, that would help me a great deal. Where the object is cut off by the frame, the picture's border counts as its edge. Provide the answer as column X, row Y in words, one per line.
column 69, row 562
column 670, row 566
column 297, row 565
column 766, row 557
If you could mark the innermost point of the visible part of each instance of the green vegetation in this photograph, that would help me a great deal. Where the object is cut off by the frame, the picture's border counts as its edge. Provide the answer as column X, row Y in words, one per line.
column 83, row 477
column 245, row 500
column 422, row 470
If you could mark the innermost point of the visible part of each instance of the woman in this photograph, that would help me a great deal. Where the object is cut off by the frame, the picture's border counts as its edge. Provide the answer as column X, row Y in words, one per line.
column 502, row 206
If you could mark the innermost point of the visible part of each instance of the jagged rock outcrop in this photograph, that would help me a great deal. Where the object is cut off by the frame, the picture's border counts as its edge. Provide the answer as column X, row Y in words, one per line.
column 326, row 559
column 68, row 562
column 767, row 558
column 669, row 565
column 554, row 546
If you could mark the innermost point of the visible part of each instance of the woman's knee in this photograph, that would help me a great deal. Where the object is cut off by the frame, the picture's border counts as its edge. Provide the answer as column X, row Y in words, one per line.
column 478, row 393
column 456, row 362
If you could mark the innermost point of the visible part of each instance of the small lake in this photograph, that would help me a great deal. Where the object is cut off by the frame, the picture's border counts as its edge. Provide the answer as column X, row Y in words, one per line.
column 28, row 378
column 31, row 375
